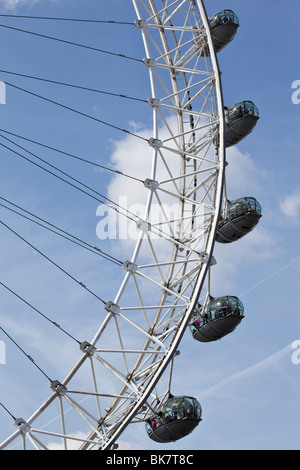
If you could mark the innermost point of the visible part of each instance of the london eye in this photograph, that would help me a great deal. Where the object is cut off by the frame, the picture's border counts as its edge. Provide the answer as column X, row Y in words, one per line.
column 124, row 372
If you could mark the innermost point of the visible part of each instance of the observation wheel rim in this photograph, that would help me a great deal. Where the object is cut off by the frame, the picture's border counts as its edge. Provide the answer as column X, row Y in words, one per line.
column 166, row 360
column 182, row 325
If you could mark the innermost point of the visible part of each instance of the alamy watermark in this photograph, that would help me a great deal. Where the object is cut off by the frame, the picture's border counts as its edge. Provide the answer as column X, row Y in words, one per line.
column 2, row 353
column 2, row 344
column 296, row 353
column 296, row 93
column 127, row 222
column 2, row 93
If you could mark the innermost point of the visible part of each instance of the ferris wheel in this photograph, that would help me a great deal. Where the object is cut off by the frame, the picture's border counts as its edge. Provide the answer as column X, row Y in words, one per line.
column 124, row 373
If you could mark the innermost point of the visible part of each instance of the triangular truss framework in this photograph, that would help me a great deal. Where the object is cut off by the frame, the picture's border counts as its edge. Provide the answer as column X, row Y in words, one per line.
column 127, row 368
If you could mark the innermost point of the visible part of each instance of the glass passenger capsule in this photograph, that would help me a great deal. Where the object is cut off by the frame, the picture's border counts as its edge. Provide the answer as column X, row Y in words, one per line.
column 241, row 118
column 177, row 418
column 219, row 318
column 239, row 218
column 223, row 27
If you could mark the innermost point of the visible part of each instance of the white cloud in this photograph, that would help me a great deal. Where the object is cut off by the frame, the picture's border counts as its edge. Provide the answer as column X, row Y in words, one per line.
column 134, row 157
column 11, row 5
column 73, row 443
column 269, row 363
column 244, row 177
column 290, row 205
column 232, row 258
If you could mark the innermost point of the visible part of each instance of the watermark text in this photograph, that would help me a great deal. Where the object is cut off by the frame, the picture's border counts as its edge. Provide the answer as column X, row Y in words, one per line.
column 296, row 93
column 296, row 353
column 113, row 225
column 2, row 93
column 2, row 353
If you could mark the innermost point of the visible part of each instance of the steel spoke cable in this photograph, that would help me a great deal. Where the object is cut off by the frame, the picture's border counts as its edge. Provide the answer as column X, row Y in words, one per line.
column 76, row 157
column 51, row 166
column 80, row 20
column 77, row 111
column 39, row 312
column 52, row 262
column 63, row 234
column 7, row 411
column 64, row 41
column 90, row 248
column 25, row 354
column 127, row 213
column 72, row 85
column 116, row 207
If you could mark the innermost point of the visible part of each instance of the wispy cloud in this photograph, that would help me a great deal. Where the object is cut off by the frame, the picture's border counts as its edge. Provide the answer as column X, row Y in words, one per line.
column 11, row 5
column 270, row 276
column 243, row 174
column 290, row 205
column 271, row 362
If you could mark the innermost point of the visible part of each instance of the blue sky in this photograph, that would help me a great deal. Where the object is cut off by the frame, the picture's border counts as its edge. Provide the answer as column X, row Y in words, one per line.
column 247, row 383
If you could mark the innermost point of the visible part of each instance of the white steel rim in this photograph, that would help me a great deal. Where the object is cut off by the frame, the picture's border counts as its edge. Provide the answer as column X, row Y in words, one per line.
column 192, row 93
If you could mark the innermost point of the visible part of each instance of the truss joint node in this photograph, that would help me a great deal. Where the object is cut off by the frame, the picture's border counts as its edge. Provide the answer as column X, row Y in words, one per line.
column 165, row 287
column 155, row 143
column 130, row 377
column 205, row 260
column 154, row 102
column 149, row 62
column 140, row 24
column 112, row 307
column 58, row 387
column 151, row 184
column 22, row 426
column 179, row 244
column 129, row 266
column 88, row 348
column 143, row 226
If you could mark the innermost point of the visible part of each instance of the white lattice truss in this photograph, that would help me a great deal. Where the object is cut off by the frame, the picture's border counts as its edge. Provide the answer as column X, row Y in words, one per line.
column 127, row 368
